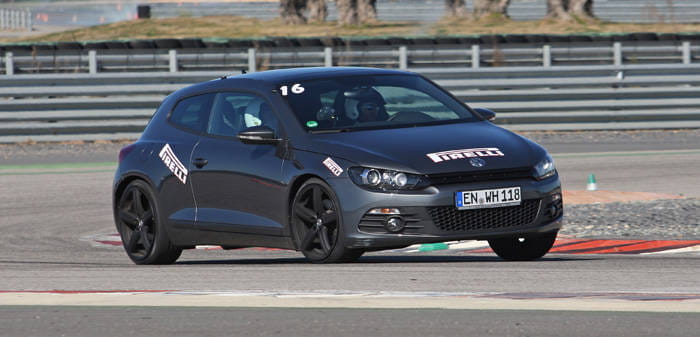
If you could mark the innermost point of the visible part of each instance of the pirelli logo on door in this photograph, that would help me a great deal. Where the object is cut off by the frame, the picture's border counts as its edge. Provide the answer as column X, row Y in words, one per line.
column 173, row 163
column 437, row 157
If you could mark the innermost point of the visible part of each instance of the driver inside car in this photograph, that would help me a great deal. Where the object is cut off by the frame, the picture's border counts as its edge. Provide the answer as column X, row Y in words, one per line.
column 364, row 104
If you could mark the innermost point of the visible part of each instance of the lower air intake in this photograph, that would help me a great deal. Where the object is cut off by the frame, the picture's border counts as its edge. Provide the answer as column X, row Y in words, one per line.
column 450, row 219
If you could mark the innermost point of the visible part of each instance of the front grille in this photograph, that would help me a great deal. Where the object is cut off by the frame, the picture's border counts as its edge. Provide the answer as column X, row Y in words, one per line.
column 450, row 219
column 477, row 176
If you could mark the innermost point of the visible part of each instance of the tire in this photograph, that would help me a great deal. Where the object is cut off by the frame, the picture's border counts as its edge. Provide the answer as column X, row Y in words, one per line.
column 138, row 222
column 316, row 223
column 523, row 249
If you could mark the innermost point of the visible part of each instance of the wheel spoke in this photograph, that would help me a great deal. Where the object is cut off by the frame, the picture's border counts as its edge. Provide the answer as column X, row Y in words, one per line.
column 329, row 218
column 317, row 199
column 147, row 217
column 145, row 241
column 309, row 239
column 130, row 219
column 136, row 198
column 325, row 243
column 131, row 245
column 304, row 213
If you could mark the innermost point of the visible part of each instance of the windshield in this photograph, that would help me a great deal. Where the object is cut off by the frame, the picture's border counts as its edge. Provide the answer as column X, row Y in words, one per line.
column 371, row 102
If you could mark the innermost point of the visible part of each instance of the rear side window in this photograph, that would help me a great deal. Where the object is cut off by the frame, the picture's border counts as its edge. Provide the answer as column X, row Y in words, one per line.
column 235, row 112
column 193, row 113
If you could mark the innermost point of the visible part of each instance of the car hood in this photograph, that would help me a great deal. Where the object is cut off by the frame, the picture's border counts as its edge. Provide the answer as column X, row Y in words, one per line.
column 407, row 149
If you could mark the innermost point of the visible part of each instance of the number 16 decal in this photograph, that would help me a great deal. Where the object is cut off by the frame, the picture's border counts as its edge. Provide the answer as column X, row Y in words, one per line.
column 295, row 89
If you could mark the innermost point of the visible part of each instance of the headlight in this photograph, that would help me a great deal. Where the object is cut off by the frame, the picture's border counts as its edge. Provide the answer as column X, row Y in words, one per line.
column 545, row 168
column 383, row 180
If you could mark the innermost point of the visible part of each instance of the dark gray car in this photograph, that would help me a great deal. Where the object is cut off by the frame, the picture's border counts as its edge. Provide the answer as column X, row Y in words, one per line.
column 332, row 162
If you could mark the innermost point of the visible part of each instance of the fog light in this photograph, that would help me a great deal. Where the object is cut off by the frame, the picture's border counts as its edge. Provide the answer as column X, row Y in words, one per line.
column 556, row 197
column 394, row 224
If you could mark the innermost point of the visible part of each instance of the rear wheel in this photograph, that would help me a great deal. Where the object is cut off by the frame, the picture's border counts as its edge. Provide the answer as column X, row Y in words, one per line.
column 140, row 228
column 317, row 224
column 523, row 248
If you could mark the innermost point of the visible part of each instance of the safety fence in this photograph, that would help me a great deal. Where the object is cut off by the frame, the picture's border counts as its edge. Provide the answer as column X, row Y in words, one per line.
column 116, row 105
column 36, row 60
column 15, row 19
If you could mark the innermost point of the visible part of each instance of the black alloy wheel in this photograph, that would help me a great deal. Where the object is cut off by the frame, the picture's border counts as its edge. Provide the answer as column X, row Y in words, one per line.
column 523, row 248
column 317, row 224
column 137, row 222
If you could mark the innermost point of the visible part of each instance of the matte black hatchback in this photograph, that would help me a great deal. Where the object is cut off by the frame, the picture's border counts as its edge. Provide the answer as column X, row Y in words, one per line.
column 332, row 162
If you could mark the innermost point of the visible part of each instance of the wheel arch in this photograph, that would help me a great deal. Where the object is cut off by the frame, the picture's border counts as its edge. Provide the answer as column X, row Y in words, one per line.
column 125, row 180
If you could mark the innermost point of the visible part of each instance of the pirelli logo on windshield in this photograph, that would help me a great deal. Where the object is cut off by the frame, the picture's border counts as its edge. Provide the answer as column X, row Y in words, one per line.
column 172, row 163
column 437, row 157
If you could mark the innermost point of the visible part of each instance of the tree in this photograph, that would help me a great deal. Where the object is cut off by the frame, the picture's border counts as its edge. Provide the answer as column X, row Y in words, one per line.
column 318, row 10
column 487, row 7
column 292, row 11
column 581, row 8
column 566, row 10
column 456, row 8
column 347, row 12
column 353, row 12
column 367, row 11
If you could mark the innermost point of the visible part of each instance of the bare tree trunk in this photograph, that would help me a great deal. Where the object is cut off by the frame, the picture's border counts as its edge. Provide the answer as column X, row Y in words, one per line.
column 318, row 10
column 486, row 7
column 291, row 11
column 347, row 12
column 581, row 8
column 456, row 8
column 367, row 11
column 558, row 10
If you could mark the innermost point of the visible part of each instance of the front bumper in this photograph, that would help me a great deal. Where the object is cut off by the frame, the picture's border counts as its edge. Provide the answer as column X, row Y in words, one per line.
column 431, row 216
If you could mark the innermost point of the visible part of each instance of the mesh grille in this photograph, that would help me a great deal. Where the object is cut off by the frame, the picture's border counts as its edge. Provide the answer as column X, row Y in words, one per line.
column 450, row 219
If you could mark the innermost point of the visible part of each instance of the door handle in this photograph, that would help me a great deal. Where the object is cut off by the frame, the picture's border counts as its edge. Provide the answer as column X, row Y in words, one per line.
column 200, row 162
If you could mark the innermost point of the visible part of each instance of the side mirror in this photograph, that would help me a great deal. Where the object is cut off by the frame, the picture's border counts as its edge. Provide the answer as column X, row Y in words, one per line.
column 486, row 113
column 258, row 135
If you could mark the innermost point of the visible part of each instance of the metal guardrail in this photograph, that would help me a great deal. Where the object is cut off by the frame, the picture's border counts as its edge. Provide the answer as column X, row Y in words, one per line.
column 52, row 107
column 15, row 19
column 403, row 57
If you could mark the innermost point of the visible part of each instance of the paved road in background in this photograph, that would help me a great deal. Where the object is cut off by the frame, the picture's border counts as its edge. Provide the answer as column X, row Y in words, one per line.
column 46, row 210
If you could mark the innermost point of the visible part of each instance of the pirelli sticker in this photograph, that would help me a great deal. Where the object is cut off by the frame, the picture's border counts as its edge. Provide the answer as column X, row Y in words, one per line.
column 437, row 157
column 173, row 163
column 332, row 166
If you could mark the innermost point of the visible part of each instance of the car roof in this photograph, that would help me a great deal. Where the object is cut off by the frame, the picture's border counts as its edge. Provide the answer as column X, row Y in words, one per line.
column 295, row 74
column 275, row 77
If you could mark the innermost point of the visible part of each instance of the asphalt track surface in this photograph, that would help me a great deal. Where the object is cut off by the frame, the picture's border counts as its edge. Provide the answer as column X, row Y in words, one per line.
column 46, row 209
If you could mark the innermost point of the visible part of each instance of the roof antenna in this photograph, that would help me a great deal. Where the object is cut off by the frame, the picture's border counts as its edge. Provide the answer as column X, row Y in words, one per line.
column 243, row 71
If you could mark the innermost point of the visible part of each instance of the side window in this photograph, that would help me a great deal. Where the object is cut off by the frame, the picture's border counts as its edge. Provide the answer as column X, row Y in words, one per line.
column 193, row 113
column 235, row 112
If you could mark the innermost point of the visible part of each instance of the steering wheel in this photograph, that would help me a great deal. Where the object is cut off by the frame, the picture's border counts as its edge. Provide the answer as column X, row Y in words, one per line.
column 411, row 116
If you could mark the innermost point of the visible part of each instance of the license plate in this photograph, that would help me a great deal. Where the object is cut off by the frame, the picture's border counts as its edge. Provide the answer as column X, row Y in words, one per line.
column 497, row 197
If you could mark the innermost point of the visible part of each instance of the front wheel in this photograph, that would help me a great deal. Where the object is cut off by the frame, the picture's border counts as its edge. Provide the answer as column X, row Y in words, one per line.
column 138, row 222
column 317, row 224
column 523, row 248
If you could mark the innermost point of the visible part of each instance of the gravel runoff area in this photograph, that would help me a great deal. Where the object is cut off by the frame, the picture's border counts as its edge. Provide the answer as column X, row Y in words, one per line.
column 659, row 219
column 669, row 138
column 677, row 219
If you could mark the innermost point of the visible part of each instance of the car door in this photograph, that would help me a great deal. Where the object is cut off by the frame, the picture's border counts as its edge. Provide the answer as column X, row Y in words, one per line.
column 238, row 186
column 186, row 122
